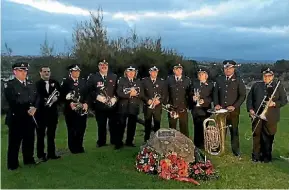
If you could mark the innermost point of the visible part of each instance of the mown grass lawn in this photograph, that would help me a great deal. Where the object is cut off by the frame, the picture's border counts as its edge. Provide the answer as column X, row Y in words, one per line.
column 108, row 168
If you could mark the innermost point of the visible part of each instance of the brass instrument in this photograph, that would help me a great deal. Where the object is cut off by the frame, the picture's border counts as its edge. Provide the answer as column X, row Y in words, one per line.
column 109, row 101
column 215, row 133
column 50, row 100
column 262, row 116
column 128, row 90
column 197, row 94
column 156, row 97
column 172, row 110
column 79, row 106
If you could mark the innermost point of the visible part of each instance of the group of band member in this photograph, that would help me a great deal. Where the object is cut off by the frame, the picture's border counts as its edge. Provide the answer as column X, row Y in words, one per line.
column 115, row 102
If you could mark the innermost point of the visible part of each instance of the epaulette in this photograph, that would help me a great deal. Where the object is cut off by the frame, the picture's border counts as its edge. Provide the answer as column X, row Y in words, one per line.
column 162, row 79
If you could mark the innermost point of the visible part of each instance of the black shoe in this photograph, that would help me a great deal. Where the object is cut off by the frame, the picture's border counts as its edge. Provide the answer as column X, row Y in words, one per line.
column 130, row 144
column 255, row 160
column 43, row 159
column 54, row 157
column 13, row 168
column 32, row 162
column 101, row 145
column 118, row 146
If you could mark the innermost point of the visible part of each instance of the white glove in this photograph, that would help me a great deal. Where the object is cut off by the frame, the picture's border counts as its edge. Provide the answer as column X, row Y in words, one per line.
column 113, row 100
column 54, row 99
column 101, row 98
column 168, row 106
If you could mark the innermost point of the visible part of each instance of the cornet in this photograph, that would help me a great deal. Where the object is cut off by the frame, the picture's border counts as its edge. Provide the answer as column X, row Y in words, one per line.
column 79, row 106
column 156, row 97
column 51, row 99
column 197, row 94
column 169, row 108
column 128, row 90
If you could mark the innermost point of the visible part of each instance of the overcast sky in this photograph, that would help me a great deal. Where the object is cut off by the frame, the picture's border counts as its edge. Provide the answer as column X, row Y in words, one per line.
column 239, row 29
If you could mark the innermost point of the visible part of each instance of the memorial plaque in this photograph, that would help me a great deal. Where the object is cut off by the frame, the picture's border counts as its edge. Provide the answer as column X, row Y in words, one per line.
column 166, row 133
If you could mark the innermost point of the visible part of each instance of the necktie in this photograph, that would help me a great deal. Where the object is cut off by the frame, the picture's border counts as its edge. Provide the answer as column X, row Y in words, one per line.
column 24, row 83
column 178, row 79
column 227, row 78
column 104, row 77
column 47, row 86
column 153, row 81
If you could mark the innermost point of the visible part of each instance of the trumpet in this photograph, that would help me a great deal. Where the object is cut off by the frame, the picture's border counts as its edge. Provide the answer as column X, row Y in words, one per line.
column 156, row 97
column 128, row 90
column 197, row 94
column 78, row 106
column 50, row 100
column 262, row 116
column 172, row 110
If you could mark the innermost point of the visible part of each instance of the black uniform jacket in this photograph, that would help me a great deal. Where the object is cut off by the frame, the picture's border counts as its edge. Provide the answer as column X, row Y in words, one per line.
column 206, row 93
column 20, row 98
column 150, row 89
column 179, row 92
column 51, row 113
column 79, row 87
column 257, row 93
column 127, row 104
column 229, row 93
column 94, row 84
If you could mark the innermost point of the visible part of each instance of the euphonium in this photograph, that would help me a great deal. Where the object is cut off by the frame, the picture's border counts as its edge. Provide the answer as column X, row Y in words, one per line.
column 51, row 99
column 156, row 97
column 215, row 133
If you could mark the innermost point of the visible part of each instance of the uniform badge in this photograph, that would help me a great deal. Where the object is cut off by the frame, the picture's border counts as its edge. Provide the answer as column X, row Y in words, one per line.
column 75, row 84
column 52, row 84
column 110, row 80
column 157, row 86
column 99, row 84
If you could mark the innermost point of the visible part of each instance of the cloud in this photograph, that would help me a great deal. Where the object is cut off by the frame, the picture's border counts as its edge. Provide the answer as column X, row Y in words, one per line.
column 212, row 28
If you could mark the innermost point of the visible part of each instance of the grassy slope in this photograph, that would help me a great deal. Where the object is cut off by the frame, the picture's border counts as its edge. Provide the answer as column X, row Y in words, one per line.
column 107, row 168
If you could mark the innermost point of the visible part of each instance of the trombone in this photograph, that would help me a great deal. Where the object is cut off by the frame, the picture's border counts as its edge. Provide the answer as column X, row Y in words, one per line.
column 170, row 109
column 262, row 116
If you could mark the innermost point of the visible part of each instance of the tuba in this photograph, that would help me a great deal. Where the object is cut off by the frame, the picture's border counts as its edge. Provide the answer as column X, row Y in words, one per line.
column 156, row 97
column 50, row 100
column 79, row 106
column 214, row 132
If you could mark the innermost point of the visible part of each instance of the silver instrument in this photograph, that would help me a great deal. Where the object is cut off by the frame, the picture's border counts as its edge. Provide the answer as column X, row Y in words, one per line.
column 156, row 97
column 79, row 106
column 172, row 110
column 197, row 94
column 50, row 100
column 110, row 101
column 128, row 90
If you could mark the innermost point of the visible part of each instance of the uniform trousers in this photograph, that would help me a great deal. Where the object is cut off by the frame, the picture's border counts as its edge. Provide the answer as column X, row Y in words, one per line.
column 152, row 115
column 233, row 122
column 183, row 122
column 128, row 120
column 262, row 140
column 101, row 118
column 199, row 129
column 76, row 126
column 21, row 132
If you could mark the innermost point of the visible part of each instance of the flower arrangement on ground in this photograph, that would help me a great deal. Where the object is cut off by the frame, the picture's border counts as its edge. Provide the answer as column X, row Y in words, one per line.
column 172, row 166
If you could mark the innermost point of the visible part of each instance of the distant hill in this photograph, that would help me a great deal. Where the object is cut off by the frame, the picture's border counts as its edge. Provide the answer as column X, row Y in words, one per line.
column 209, row 59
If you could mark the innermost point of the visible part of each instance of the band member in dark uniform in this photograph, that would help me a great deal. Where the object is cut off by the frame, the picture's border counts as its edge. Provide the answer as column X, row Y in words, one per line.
column 201, row 99
column 265, row 129
column 21, row 96
column 230, row 93
column 102, row 95
column 47, row 115
column 130, row 93
column 74, row 94
column 155, row 91
column 178, row 97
